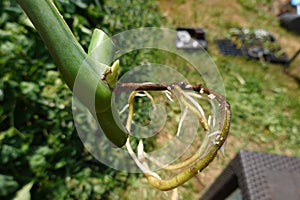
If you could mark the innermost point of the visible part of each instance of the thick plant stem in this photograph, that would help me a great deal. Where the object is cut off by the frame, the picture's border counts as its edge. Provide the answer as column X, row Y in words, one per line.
column 74, row 64
column 65, row 50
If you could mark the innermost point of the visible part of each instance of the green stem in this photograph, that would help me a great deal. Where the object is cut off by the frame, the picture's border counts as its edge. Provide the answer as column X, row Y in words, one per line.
column 65, row 50
column 74, row 64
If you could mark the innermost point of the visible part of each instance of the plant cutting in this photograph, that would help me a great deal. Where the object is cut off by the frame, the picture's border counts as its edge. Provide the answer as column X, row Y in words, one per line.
column 97, row 69
column 214, row 132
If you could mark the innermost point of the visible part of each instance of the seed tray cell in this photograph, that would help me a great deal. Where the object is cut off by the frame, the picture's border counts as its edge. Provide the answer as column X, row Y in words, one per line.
column 227, row 47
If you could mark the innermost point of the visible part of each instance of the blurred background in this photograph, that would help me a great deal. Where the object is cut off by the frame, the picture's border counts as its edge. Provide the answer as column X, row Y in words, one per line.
column 40, row 150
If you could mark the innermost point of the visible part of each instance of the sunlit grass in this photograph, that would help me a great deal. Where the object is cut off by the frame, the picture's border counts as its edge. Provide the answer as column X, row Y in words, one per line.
column 264, row 99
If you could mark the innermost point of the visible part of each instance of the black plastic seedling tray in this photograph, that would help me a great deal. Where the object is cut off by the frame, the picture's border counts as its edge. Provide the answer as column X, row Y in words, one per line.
column 191, row 38
column 257, row 44
column 227, row 47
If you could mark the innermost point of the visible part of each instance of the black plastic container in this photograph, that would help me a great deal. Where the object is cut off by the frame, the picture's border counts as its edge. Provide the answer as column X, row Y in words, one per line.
column 191, row 38
column 291, row 22
column 227, row 47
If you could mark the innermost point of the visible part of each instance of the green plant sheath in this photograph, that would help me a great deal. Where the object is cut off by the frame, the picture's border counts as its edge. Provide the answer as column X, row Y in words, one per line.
column 70, row 57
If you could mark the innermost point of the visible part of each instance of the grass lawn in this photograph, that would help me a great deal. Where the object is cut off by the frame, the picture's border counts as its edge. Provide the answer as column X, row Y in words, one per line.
column 265, row 100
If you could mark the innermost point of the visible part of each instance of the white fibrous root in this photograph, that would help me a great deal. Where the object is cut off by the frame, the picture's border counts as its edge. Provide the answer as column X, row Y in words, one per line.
column 190, row 104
